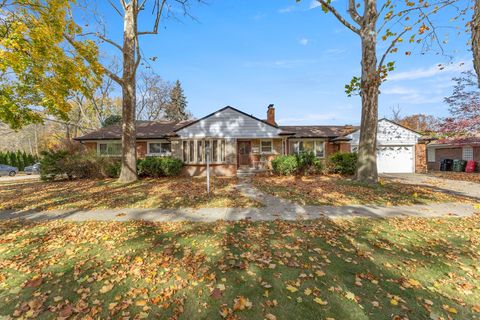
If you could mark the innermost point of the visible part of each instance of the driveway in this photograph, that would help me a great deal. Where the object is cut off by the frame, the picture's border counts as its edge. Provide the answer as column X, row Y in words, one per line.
column 19, row 177
column 465, row 188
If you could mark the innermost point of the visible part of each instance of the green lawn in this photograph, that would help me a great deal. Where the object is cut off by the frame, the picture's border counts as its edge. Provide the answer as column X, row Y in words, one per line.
column 342, row 269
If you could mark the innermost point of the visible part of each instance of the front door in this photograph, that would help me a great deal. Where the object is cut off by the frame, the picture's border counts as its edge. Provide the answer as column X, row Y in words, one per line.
column 244, row 150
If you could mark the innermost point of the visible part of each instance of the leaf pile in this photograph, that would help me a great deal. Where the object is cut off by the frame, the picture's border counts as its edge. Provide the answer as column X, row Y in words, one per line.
column 337, row 191
column 408, row 268
column 104, row 194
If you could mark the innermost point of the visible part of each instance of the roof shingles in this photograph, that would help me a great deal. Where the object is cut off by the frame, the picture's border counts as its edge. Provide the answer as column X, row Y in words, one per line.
column 145, row 130
column 317, row 131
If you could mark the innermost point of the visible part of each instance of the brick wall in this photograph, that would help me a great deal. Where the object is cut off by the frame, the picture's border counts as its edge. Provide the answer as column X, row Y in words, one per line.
column 444, row 153
column 90, row 146
column 330, row 148
column 141, row 149
column 420, row 158
column 226, row 170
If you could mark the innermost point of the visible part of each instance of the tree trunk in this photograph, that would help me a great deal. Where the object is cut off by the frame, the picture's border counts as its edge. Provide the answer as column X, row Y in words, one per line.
column 476, row 39
column 370, row 84
column 128, row 171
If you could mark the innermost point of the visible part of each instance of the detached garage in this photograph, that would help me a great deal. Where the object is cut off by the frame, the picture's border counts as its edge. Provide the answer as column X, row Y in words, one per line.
column 395, row 147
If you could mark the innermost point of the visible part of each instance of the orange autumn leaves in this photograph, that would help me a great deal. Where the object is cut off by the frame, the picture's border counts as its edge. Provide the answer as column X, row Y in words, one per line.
column 389, row 269
column 336, row 191
column 105, row 194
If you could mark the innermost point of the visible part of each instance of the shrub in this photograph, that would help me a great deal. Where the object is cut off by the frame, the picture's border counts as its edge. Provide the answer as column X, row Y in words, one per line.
column 308, row 163
column 79, row 165
column 285, row 165
column 84, row 165
column 159, row 166
column 112, row 168
column 150, row 167
column 304, row 163
column 343, row 163
column 52, row 164
column 171, row 166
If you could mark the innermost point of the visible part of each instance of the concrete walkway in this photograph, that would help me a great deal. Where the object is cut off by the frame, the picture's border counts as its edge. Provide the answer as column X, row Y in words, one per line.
column 275, row 208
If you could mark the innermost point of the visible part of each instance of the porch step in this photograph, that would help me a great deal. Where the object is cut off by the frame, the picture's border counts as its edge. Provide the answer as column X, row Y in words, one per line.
column 245, row 174
column 245, row 171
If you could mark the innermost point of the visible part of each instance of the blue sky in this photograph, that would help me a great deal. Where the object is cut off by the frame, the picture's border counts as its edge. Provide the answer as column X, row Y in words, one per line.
column 251, row 53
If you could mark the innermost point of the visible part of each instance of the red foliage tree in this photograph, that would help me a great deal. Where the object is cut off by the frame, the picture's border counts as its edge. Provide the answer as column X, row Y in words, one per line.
column 464, row 119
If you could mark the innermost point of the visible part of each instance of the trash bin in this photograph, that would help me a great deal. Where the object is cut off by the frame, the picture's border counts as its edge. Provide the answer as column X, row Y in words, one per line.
column 459, row 165
column 446, row 165
column 471, row 166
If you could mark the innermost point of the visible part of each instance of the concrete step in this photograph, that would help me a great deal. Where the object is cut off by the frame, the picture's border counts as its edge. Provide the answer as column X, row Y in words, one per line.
column 245, row 174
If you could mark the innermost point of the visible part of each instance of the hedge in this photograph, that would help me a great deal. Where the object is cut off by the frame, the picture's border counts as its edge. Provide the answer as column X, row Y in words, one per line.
column 63, row 164
column 19, row 159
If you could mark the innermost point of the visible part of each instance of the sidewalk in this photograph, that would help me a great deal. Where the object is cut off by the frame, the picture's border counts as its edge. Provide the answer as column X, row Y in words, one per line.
column 275, row 208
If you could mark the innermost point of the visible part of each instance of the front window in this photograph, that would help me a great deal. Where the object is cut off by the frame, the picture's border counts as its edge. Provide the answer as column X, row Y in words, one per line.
column 110, row 149
column 467, row 153
column 195, row 151
column 207, row 149
column 430, row 154
column 185, row 151
column 200, row 151
column 160, row 148
column 319, row 149
column 214, row 150
column 266, row 146
column 192, row 151
column 315, row 146
column 222, row 151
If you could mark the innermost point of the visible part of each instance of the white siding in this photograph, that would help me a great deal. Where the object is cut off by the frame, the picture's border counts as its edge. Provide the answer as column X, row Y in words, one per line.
column 389, row 134
column 229, row 123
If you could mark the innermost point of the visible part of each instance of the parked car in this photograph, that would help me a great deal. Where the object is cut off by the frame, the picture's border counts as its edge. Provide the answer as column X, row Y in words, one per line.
column 8, row 170
column 34, row 169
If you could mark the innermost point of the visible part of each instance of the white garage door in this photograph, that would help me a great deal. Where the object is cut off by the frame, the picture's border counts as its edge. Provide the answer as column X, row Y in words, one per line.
column 395, row 159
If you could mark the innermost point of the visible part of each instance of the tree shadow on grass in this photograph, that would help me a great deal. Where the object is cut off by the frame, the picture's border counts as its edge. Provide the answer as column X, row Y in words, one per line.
column 173, row 268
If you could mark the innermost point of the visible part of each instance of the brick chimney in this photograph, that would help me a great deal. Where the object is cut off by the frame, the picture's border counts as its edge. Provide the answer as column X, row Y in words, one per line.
column 347, row 129
column 271, row 115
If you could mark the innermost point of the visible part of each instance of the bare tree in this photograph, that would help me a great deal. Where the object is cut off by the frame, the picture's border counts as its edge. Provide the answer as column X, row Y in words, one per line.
column 129, row 49
column 91, row 111
column 153, row 96
column 392, row 23
column 396, row 113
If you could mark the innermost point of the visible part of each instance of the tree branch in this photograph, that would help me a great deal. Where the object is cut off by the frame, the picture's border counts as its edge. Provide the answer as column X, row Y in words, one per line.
column 353, row 12
column 391, row 46
column 115, row 8
column 340, row 18
column 159, row 5
column 109, row 73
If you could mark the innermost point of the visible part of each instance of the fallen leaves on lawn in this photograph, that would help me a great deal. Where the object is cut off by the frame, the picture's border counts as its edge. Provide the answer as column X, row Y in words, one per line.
column 171, row 192
column 337, row 191
column 399, row 267
column 242, row 303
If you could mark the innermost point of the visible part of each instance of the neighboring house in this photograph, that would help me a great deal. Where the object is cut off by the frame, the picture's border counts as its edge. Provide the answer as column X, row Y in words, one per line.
column 459, row 148
column 239, row 142
column 398, row 148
